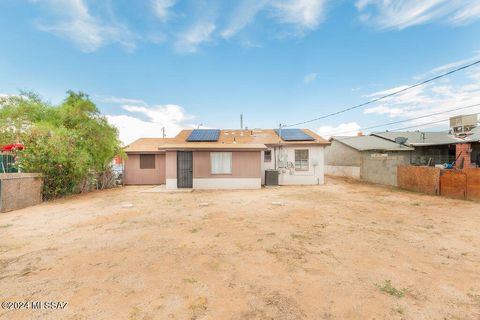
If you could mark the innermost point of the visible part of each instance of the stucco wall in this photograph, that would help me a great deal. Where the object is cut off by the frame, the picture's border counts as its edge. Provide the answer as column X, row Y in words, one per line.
column 20, row 190
column 290, row 176
column 381, row 167
column 245, row 164
column 339, row 154
column 343, row 171
column 267, row 165
column 134, row 175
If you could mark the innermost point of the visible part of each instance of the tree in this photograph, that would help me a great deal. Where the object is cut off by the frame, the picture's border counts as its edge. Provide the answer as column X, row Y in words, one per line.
column 66, row 143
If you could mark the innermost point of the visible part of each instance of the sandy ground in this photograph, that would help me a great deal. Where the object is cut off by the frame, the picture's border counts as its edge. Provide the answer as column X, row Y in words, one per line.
column 317, row 252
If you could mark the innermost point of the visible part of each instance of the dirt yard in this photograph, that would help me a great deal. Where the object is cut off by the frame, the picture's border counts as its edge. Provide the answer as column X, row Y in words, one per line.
column 345, row 250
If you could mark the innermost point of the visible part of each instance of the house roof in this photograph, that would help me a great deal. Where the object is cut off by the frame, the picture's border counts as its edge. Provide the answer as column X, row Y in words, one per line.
column 229, row 138
column 368, row 143
column 147, row 144
column 418, row 138
column 213, row 146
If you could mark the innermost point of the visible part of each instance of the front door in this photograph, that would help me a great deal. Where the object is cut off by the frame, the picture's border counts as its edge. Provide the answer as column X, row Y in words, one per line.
column 184, row 169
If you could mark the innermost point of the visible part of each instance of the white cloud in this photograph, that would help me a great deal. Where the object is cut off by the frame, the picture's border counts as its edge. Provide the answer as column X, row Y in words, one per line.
column 243, row 16
column 189, row 40
column 162, row 8
column 310, row 77
column 122, row 100
column 401, row 14
column 75, row 22
column 171, row 117
column 343, row 129
column 304, row 13
column 433, row 98
column 446, row 67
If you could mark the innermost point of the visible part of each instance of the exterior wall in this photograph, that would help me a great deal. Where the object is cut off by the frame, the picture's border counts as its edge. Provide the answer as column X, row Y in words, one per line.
column 343, row 171
column 382, row 167
column 20, row 190
column 171, row 169
column 245, row 164
column 342, row 160
column 288, row 174
column 267, row 165
column 246, row 171
column 339, row 154
column 230, row 183
column 134, row 175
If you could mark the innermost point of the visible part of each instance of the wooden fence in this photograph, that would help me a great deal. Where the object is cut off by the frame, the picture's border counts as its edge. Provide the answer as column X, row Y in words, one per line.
column 459, row 184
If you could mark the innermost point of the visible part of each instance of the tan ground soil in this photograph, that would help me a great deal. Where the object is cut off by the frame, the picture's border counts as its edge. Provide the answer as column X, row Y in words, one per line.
column 325, row 253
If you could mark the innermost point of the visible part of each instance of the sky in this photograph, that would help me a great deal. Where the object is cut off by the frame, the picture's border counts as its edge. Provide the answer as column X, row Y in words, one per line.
column 177, row 64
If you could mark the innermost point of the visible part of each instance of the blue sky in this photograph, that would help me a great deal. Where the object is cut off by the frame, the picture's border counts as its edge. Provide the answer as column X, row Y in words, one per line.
column 179, row 63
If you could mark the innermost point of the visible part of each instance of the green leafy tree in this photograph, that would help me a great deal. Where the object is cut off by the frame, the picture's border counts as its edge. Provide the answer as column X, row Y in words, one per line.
column 67, row 143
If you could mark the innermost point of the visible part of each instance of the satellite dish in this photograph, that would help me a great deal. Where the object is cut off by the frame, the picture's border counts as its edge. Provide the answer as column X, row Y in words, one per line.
column 400, row 140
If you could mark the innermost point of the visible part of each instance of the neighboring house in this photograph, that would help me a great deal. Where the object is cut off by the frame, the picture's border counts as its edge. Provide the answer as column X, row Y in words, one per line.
column 438, row 146
column 375, row 157
column 226, row 159
column 368, row 158
column 441, row 147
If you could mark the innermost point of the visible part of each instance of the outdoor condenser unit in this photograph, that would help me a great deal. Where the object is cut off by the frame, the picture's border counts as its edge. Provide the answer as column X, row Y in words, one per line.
column 271, row 177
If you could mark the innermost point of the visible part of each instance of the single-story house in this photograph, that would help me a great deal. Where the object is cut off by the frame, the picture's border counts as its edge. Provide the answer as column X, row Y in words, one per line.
column 369, row 158
column 226, row 159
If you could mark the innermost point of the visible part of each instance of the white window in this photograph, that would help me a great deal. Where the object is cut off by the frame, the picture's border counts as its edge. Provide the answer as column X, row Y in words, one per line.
column 301, row 160
column 221, row 162
column 267, row 156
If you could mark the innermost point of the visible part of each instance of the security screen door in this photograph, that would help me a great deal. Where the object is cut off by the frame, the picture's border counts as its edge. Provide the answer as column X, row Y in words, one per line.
column 184, row 169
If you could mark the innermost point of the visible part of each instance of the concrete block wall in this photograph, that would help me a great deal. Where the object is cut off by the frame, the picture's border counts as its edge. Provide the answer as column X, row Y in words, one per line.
column 20, row 190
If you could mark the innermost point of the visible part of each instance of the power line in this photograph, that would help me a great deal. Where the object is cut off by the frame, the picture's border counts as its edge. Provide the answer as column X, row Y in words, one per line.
column 387, row 95
column 406, row 120
column 398, row 129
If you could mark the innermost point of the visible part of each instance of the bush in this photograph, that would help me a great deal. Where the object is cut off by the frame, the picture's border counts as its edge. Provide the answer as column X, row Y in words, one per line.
column 65, row 143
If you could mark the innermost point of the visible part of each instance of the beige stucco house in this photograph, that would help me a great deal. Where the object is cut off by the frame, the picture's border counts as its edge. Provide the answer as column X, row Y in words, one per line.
column 226, row 159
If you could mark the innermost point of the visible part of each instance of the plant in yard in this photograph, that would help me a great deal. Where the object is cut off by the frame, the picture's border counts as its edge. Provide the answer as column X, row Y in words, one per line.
column 387, row 288
column 66, row 143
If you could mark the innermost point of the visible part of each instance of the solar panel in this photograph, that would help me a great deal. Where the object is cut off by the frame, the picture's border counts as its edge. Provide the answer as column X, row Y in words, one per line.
column 293, row 135
column 204, row 135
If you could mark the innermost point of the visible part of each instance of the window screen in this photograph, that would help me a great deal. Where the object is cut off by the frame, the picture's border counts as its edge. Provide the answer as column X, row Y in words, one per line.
column 268, row 156
column 221, row 162
column 147, row 161
column 301, row 160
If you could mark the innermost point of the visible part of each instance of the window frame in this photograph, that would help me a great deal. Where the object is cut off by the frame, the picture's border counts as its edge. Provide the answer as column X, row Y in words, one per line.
column 302, row 164
column 212, row 158
column 265, row 156
column 142, row 163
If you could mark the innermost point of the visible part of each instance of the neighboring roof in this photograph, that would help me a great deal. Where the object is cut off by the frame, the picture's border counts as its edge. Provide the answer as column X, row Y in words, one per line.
column 147, row 144
column 418, row 138
column 368, row 143
column 227, row 139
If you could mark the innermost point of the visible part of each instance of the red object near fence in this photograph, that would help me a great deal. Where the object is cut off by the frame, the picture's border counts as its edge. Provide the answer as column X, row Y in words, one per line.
column 12, row 147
